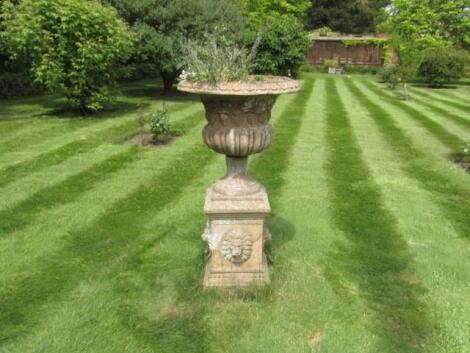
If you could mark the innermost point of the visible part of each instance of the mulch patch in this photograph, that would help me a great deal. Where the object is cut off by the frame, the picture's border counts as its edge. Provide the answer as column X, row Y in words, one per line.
column 146, row 140
column 462, row 160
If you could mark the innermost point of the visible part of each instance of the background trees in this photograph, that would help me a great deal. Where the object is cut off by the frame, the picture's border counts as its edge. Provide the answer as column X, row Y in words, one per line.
column 278, row 24
column 73, row 46
column 421, row 29
column 346, row 16
column 161, row 27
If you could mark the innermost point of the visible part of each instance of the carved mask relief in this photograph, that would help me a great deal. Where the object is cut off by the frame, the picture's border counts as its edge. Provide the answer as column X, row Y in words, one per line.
column 237, row 246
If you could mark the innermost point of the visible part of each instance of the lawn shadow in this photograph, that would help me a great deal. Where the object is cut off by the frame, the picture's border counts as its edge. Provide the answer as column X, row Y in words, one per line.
column 282, row 232
column 374, row 262
column 110, row 111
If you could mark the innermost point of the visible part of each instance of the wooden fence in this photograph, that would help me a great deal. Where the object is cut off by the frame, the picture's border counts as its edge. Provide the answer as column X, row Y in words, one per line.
column 357, row 55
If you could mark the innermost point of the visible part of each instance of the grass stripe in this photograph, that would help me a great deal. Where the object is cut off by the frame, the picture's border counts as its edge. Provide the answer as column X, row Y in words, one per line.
column 453, row 199
column 271, row 163
column 447, row 138
column 105, row 120
column 437, row 247
column 21, row 215
column 463, row 122
column 436, row 109
column 183, row 271
column 376, row 257
column 437, row 96
column 160, row 229
column 34, row 135
column 94, row 246
column 18, row 217
column 113, row 134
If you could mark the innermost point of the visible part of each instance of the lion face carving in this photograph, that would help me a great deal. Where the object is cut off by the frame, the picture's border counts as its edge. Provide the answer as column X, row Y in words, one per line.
column 237, row 246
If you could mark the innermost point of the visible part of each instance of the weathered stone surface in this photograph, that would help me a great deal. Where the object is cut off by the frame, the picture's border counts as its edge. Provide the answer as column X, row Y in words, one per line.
column 238, row 116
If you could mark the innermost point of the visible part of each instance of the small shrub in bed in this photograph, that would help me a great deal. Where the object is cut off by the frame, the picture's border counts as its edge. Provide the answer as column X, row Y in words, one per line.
column 159, row 125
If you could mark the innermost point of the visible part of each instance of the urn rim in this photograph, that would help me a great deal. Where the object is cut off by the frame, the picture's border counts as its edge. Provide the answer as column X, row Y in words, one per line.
column 252, row 86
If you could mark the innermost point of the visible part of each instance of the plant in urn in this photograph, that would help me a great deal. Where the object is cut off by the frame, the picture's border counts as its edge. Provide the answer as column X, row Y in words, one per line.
column 238, row 109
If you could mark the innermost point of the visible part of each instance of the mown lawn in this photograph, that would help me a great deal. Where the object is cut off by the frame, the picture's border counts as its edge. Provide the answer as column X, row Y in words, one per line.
column 100, row 247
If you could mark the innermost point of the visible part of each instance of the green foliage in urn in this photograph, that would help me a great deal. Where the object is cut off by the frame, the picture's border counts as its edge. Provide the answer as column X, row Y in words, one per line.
column 73, row 46
column 217, row 59
column 441, row 66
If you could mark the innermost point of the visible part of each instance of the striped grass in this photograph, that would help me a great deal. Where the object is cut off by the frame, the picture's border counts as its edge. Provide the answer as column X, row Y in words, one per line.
column 447, row 138
column 107, row 256
column 436, row 96
column 376, row 256
column 427, row 239
column 454, row 199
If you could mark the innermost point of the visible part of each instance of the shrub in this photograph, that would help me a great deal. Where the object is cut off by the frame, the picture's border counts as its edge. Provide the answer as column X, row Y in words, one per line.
column 159, row 124
column 391, row 75
column 369, row 70
column 17, row 84
column 330, row 63
column 283, row 46
column 74, row 46
column 440, row 66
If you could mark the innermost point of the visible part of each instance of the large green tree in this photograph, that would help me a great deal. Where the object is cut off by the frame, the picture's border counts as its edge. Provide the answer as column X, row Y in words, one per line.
column 257, row 11
column 75, row 46
column 278, row 25
column 346, row 16
column 161, row 26
column 429, row 23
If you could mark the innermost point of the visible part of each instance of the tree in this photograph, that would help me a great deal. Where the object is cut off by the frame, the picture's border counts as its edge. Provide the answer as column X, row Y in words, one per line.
column 73, row 45
column 430, row 23
column 279, row 26
column 256, row 11
column 346, row 16
column 282, row 47
column 417, row 26
column 161, row 26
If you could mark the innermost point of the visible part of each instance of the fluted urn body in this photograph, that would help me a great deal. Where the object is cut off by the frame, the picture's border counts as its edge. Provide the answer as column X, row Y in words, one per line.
column 238, row 115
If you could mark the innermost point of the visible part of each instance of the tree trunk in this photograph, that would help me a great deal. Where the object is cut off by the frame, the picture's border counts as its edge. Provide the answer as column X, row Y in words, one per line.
column 168, row 78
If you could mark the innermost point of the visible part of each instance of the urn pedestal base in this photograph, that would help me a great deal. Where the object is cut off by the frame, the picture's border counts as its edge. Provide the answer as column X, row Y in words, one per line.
column 236, row 234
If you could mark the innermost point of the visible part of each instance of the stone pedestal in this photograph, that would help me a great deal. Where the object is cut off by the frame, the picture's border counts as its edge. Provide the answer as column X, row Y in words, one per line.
column 236, row 232
column 238, row 116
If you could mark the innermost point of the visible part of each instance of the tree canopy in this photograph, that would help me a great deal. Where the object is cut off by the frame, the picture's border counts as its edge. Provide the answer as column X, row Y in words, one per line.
column 256, row 11
column 430, row 23
column 346, row 16
column 73, row 46
column 161, row 26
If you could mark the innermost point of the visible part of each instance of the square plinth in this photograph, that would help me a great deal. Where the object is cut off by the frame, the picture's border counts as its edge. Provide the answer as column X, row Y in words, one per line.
column 236, row 233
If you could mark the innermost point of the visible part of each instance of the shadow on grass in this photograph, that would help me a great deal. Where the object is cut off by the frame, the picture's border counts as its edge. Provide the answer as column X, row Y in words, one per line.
column 375, row 258
column 94, row 247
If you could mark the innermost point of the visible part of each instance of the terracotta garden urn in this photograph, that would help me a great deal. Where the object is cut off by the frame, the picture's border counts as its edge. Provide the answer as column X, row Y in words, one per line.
column 236, row 206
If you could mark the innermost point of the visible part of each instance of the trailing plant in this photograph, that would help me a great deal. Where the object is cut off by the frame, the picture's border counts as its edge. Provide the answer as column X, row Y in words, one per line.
column 159, row 124
column 380, row 42
column 217, row 59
